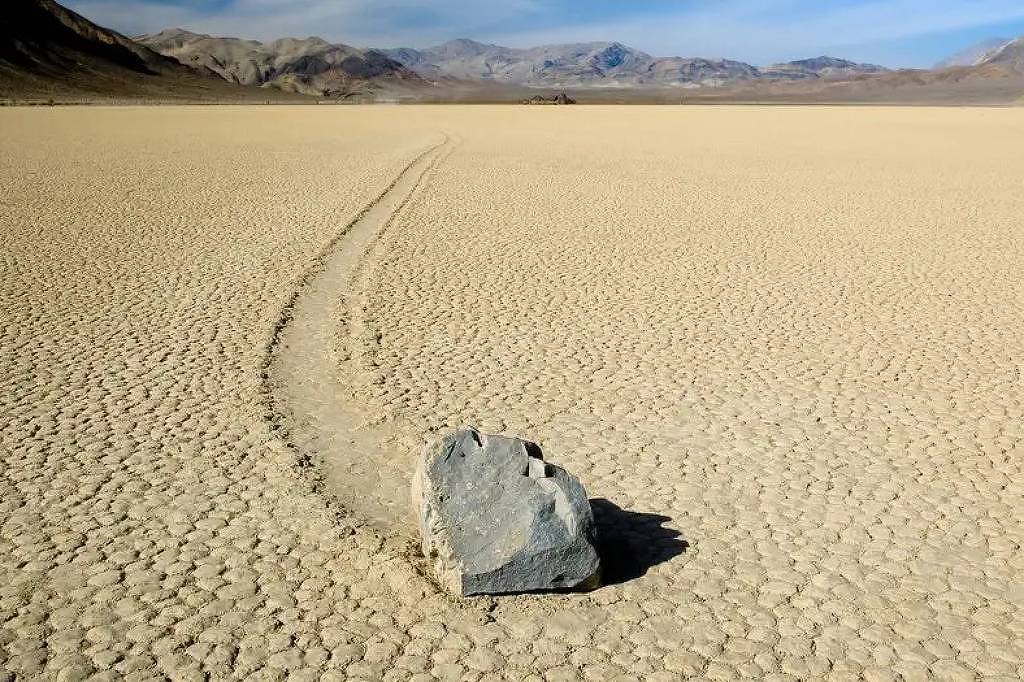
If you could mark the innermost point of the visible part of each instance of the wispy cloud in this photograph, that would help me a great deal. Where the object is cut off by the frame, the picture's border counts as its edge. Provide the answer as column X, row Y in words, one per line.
column 769, row 30
column 365, row 22
column 753, row 30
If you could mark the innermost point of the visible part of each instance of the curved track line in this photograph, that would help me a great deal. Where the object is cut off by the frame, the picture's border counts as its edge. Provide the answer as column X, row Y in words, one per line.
column 310, row 403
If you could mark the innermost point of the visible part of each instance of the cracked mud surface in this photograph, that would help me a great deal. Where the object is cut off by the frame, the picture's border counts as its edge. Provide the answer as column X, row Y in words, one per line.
column 781, row 348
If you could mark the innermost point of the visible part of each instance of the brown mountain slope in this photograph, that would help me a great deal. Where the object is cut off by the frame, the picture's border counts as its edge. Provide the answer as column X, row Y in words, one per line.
column 50, row 52
column 1009, row 57
column 308, row 65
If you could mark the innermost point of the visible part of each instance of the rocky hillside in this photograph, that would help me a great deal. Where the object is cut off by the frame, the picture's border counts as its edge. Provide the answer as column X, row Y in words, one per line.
column 696, row 71
column 819, row 67
column 602, row 64
column 310, row 66
column 1000, row 65
column 1009, row 57
column 47, row 50
column 970, row 56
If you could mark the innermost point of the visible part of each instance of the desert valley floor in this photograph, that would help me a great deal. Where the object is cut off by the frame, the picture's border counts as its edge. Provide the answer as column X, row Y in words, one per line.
column 781, row 347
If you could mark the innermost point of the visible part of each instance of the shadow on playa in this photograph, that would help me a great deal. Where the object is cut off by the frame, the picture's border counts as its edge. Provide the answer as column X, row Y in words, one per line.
column 631, row 543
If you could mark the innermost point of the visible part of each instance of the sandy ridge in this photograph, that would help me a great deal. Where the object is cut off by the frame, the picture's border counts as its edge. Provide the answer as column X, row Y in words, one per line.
column 308, row 375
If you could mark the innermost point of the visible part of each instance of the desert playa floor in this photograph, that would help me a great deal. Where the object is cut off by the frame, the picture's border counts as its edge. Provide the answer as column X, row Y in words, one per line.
column 781, row 347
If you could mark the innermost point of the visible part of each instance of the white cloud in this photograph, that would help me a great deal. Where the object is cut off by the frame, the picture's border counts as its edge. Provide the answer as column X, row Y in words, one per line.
column 753, row 30
column 761, row 31
column 360, row 22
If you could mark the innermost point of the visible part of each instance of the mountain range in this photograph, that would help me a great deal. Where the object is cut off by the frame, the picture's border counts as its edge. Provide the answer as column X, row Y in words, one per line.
column 314, row 66
column 45, row 48
column 607, row 64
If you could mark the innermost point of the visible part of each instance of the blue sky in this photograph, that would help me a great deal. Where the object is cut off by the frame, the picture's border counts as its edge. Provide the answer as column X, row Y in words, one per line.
column 895, row 33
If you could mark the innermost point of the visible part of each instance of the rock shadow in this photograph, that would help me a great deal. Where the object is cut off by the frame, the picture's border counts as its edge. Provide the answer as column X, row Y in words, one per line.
column 631, row 543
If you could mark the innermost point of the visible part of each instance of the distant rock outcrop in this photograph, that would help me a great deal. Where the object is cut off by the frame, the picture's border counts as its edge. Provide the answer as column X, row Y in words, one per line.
column 560, row 98
column 495, row 518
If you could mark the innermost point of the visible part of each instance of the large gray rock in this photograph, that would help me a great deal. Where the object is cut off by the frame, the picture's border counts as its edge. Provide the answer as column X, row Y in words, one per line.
column 496, row 518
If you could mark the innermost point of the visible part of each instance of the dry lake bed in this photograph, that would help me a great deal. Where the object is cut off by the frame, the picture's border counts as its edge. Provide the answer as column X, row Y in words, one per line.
column 782, row 348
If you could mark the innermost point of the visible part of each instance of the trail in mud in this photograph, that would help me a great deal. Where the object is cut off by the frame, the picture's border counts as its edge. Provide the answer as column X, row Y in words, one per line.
column 310, row 382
